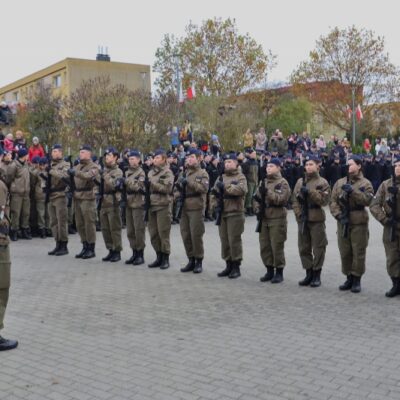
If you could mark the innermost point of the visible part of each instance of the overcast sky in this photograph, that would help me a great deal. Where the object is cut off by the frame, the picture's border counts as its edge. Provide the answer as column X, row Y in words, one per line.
column 37, row 33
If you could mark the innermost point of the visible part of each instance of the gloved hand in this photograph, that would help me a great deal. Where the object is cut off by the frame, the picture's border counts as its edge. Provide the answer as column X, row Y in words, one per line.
column 347, row 188
column 119, row 183
column 71, row 172
column 393, row 189
column 220, row 185
column 304, row 190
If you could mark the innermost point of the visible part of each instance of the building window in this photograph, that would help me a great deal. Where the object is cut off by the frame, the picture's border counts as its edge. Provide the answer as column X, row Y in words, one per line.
column 57, row 81
column 16, row 96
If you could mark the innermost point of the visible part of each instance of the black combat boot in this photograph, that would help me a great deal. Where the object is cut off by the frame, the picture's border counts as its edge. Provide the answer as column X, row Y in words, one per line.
column 49, row 233
column 198, row 266
column 71, row 230
column 7, row 344
column 227, row 269
column 116, row 256
column 83, row 251
column 13, row 235
column 165, row 261
column 347, row 283
column 139, row 260
column 308, row 278
column 62, row 249
column 54, row 251
column 157, row 262
column 278, row 277
column 108, row 256
column 356, row 286
column 89, row 253
column 269, row 274
column 42, row 233
column 133, row 258
column 235, row 271
column 394, row 291
column 316, row 278
column 26, row 234
column 189, row 266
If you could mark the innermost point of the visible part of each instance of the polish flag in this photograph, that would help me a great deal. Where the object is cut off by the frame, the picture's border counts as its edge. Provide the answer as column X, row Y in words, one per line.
column 190, row 93
column 359, row 114
column 348, row 111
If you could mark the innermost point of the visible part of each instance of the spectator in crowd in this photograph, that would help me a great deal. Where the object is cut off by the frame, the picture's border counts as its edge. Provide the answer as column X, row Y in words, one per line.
column 36, row 149
column 173, row 137
column 377, row 145
column 4, row 113
column 248, row 139
column 367, row 146
column 292, row 143
column 19, row 142
column 261, row 140
column 9, row 143
column 321, row 144
column 383, row 147
column 304, row 143
column 215, row 145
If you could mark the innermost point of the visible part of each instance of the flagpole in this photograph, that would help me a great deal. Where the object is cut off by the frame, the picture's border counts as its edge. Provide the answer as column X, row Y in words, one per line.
column 353, row 115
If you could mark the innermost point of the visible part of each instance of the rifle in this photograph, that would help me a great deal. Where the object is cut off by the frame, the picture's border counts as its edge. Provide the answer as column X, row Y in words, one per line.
column 71, row 184
column 345, row 203
column 393, row 205
column 220, row 205
column 147, row 203
column 262, row 202
column 101, row 185
column 48, row 179
column 304, row 208
column 181, row 200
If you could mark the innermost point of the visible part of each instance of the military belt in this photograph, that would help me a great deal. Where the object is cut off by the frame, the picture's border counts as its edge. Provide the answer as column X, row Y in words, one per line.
column 314, row 207
column 230, row 197
column 164, row 194
column 57, row 190
column 189, row 195
column 111, row 192
column 357, row 208
column 83, row 190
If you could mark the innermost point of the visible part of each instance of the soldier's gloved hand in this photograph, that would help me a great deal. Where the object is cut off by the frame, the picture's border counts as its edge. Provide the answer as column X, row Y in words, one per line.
column 393, row 189
column 347, row 188
column 304, row 190
column 119, row 183
column 220, row 185
column 71, row 172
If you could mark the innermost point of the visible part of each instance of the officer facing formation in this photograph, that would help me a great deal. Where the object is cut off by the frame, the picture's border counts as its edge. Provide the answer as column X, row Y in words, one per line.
column 229, row 193
column 135, row 224
column 350, row 196
column 84, row 175
column 110, row 217
column 310, row 194
column 386, row 209
column 192, row 186
column 271, row 198
column 161, row 181
column 57, row 180
column 5, row 262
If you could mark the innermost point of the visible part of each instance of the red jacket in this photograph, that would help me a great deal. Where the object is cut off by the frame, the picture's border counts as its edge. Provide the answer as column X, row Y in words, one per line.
column 35, row 151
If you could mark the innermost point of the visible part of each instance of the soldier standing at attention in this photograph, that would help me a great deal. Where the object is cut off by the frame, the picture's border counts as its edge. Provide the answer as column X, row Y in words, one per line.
column 135, row 190
column 271, row 198
column 350, row 196
column 193, row 187
column 58, row 180
column 230, row 189
column 18, row 179
column 84, row 175
column 5, row 262
column 161, row 183
column 310, row 194
column 110, row 216
column 386, row 209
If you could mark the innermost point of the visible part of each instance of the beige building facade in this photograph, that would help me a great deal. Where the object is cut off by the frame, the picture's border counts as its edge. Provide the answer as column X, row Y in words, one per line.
column 67, row 75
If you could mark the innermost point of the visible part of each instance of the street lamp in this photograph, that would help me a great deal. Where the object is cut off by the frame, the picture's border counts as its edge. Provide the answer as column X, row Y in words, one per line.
column 353, row 115
column 177, row 77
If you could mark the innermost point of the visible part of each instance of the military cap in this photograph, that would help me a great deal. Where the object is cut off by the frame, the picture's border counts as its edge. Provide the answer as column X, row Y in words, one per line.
column 134, row 153
column 275, row 161
column 57, row 146
column 22, row 152
column 312, row 157
column 85, row 147
column 35, row 160
column 357, row 159
column 159, row 152
column 230, row 156
column 194, row 151
column 43, row 160
column 111, row 150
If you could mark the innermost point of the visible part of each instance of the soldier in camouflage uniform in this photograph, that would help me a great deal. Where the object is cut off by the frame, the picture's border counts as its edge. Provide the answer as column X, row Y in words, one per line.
column 272, row 195
column 386, row 209
column 352, row 194
column 193, row 185
column 232, row 185
column 310, row 194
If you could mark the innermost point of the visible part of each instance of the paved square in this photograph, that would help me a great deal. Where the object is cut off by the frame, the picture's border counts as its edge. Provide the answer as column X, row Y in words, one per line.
column 90, row 330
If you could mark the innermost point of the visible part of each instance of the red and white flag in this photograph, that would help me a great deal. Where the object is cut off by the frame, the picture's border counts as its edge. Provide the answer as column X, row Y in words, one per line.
column 359, row 114
column 348, row 111
column 190, row 93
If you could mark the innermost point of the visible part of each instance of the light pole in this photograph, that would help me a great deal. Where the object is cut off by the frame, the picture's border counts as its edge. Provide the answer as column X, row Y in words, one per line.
column 177, row 77
column 353, row 115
